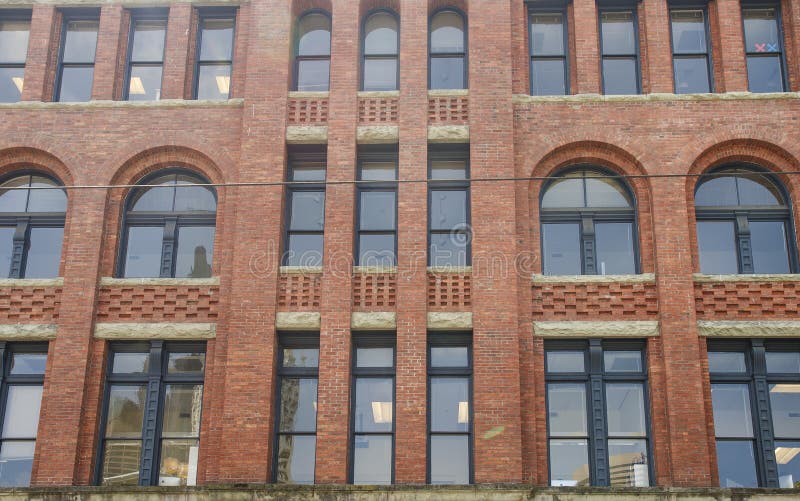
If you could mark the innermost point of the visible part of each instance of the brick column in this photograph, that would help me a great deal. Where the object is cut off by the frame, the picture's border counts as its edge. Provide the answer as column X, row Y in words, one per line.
column 176, row 51
column 107, row 54
column 729, row 27
column 587, row 46
column 790, row 10
column 659, row 55
column 42, row 37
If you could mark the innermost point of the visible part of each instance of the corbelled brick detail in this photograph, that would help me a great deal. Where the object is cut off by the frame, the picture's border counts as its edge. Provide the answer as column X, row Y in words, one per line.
column 742, row 300
column 378, row 110
column 29, row 304
column 299, row 292
column 158, row 304
column 449, row 291
column 630, row 301
column 374, row 292
column 308, row 111
column 448, row 110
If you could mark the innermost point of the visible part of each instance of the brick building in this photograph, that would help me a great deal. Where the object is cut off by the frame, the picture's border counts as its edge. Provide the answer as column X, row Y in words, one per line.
column 439, row 242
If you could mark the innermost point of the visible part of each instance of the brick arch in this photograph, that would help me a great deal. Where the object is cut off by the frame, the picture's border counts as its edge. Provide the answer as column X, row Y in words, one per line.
column 300, row 7
column 462, row 5
column 367, row 6
column 19, row 158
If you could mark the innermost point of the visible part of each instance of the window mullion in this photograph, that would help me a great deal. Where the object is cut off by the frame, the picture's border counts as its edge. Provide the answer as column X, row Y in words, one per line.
column 148, row 471
column 18, row 249
column 599, row 473
column 168, row 247
column 588, row 244
column 765, row 434
column 744, row 243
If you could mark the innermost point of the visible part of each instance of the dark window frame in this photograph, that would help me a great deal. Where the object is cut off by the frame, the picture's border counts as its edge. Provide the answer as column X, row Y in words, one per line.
column 16, row 15
column 768, row 4
column 137, row 15
column 314, row 155
column 70, row 15
column 464, row 55
column 460, row 152
column 378, row 153
column 316, row 57
column 552, row 7
column 622, row 6
column 703, row 7
column 364, row 56
column 205, row 13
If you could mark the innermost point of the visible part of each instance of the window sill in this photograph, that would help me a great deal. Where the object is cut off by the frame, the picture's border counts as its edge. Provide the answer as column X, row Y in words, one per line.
column 31, row 282
column 448, row 92
column 756, row 277
column 300, row 270
column 374, row 270
column 103, row 104
column 118, row 282
column 379, row 93
column 453, row 270
column 591, row 279
column 300, row 94
column 594, row 98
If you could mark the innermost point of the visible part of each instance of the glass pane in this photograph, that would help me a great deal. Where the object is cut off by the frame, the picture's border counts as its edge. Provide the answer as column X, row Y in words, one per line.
column 148, row 40
column 374, row 357
column 6, row 249
column 378, row 171
column 377, row 210
column 178, row 462
column 156, row 199
column 182, row 407
column 731, row 403
column 130, row 363
column 315, row 35
column 562, row 249
column 565, row 192
column 304, row 250
column 449, row 249
column 307, row 211
column 625, row 410
column 566, row 409
column 618, row 33
column 380, row 34
column 186, row 363
column 722, row 361
column 717, row 191
column 145, row 83
column 301, row 357
column 298, row 405
column 125, row 411
column 450, row 459
column 605, row 192
column 788, row 456
column 44, row 252
column 448, row 209
column 449, row 356
column 214, row 82
column 216, row 40
column 565, row 361
column 770, row 249
column 195, row 252
column 569, row 463
column 374, row 404
column 76, row 84
column 380, row 74
column 80, row 41
column 14, row 41
column 448, row 169
column 28, row 363
column 615, row 254
column 547, row 34
column 447, row 32
column 143, row 256
column 376, row 250
column 548, row 78
column 22, row 411
column 45, row 199
column 628, row 463
column 313, row 75
column 449, row 404
column 619, row 76
column 372, row 459
column 307, row 171
column 296, row 458
column 622, row 361
column 447, row 73
column 717, row 246
column 691, row 75
column 16, row 462
column 121, row 460
column 785, row 404
column 783, row 362
column 761, row 33
column 12, row 81
column 737, row 464
column 688, row 31
column 190, row 196
column 757, row 189
column 764, row 74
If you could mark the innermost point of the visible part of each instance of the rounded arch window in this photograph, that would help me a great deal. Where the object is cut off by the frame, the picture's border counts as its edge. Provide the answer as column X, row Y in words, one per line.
column 588, row 224
column 448, row 50
column 32, row 214
column 313, row 52
column 380, row 52
column 743, row 222
column 169, row 227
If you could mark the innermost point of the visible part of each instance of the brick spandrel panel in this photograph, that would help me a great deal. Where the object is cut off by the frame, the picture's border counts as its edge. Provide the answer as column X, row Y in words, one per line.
column 374, row 292
column 378, row 111
column 740, row 300
column 308, row 111
column 595, row 301
column 448, row 110
column 449, row 291
column 299, row 292
column 156, row 304
column 29, row 304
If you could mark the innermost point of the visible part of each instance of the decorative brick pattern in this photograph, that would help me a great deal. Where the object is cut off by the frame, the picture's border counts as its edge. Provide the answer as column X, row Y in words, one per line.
column 448, row 110
column 158, row 304
column 612, row 301
column 740, row 300
column 374, row 291
column 308, row 111
column 299, row 292
column 29, row 304
column 449, row 291
column 377, row 110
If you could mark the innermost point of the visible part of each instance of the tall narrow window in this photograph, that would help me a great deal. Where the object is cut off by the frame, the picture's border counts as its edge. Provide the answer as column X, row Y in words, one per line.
column 450, row 408
column 377, row 208
column 763, row 40
column 31, row 226
column 214, row 55
column 691, row 59
column 619, row 44
column 146, row 59
column 448, row 50
column 380, row 47
column 743, row 223
column 448, row 213
column 548, row 51
column 373, row 409
column 152, row 379
column 306, row 209
column 313, row 52
column 169, row 227
column 23, row 379
column 15, row 27
column 298, row 368
column 76, row 62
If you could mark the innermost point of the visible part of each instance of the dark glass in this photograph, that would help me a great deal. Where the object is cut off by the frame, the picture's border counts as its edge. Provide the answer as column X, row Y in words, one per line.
column 130, row 363
column 780, row 362
column 737, row 464
column 12, row 81
column 313, row 75
column 372, row 459
column 562, row 249
column 378, row 171
column 121, row 462
column 448, row 209
column 12, row 197
column 787, row 455
column 308, row 172
column 378, row 210
column 374, row 409
column 6, row 249
column 548, row 77
column 315, row 35
column 182, row 407
column 717, row 244
column 602, row 191
column 216, row 40
column 21, row 419
column 764, row 74
column 761, row 31
column 14, row 36
column 784, row 400
column 125, row 411
column 449, row 356
column 381, row 34
column 449, row 459
column 301, row 357
column 625, row 410
column 46, row 200
column 195, row 252
column 731, row 403
column 143, row 254
column 28, row 363
column 447, row 32
column 16, row 459
column 380, row 74
column 688, row 31
column 214, row 82
column 190, row 196
column 618, row 34
column 757, row 189
column 298, row 405
column 145, row 83
column 547, row 35
column 80, row 41
column 376, row 250
column 447, row 72
column 296, row 458
column 717, row 191
column 186, row 363
column 448, row 169
column 178, row 462
column 374, row 357
column 148, row 40
column 155, row 199
column 449, row 404
column 304, row 250
column 622, row 361
column 307, row 211
column 44, row 252
column 769, row 246
column 627, row 461
column 449, row 248
column 565, row 192
column 726, row 361
column 691, row 75
column 565, row 361
column 619, row 76
column 569, row 462
column 615, row 248
column 76, row 84
column 566, row 409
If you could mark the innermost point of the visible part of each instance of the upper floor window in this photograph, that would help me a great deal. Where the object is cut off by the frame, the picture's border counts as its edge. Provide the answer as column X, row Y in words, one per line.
column 449, row 211
column 448, row 50
column 619, row 45
column 76, row 60
column 380, row 47
column 548, row 52
column 15, row 27
column 146, row 59
column 691, row 55
column 169, row 227
column 303, row 241
column 588, row 225
column 763, row 40
column 214, row 55
column 32, row 210
column 313, row 52
column 377, row 208
column 743, row 223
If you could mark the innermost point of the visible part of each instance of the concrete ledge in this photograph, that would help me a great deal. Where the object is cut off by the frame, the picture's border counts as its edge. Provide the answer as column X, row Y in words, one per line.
column 441, row 134
column 594, row 279
column 162, row 282
column 378, row 134
column 164, row 330
column 373, row 321
column 374, row 270
column 298, row 321
column 31, row 332
column 656, row 97
column 308, row 95
column 453, row 270
column 89, row 105
column 300, row 270
column 583, row 329
column 379, row 93
column 31, row 282
column 748, row 328
column 307, row 134
column 701, row 278
column 448, row 92
column 450, row 321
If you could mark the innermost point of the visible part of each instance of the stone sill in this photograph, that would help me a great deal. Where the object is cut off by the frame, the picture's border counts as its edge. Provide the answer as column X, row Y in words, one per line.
column 701, row 278
column 594, row 279
column 382, row 93
column 127, row 3
column 161, row 282
column 300, row 270
column 88, row 105
column 450, row 270
column 296, row 94
column 656, row 97
column 374, row 270
column 448, row 92
column 7, row 283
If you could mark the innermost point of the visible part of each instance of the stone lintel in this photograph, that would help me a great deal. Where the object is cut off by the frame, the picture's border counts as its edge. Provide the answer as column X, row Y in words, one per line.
column 307, row 134
column 160, row 330
column 588, row 328
column 298, row 321
column 373, row 321
column 749, row 328
column 449, row 321
column 378, row 134
column 27, row 332
column 442, row 134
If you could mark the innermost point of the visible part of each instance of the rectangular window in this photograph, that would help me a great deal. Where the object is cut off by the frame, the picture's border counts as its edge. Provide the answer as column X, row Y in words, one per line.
column 548, row 52
column 372, row 410
column 763, row 40
column 691, row 56
column 597, row 441
column 214, row 55
column 305, row 206
column 76, row 61
column 377, row 207
column 146, row 56
column 15, row 27
column 450, row 408
column 298, row 370
column 619, row 45
column 148, row 379
column 449, row 211
column 23, row 380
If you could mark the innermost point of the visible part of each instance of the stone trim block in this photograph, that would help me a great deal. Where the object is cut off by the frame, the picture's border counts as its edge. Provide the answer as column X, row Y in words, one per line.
column 307, row 134
column 374, row 270
column 31, row 282
column 748, row 328
column 448, row 92
column 31, row 332
column 452, row 270
column 101, row 104
column 300, row 270
column 588, row 328
column 450, row 321
column 655, row 97
column 378, row 93
column 594, row 279
column 373, row 321
column 298, row 321
column 165, row 330
column 163, row 282
column 378, row 134
column 296, row 94
column 440, row 134
column 755, row 277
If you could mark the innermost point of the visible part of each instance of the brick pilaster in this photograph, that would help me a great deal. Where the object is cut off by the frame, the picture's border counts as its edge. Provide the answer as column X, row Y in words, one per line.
column 659, row 56
column 731, row 35
column 107, row 54
column 44, row 28
column 587, row 46
column 176, row 51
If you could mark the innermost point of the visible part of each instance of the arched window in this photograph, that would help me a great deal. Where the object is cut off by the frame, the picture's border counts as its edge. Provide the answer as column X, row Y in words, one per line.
column 169, row 227
column 380, row 50
column 312, row 63
column 743, row 223
column 588, row 225
column 448, row 50
column 32, row 208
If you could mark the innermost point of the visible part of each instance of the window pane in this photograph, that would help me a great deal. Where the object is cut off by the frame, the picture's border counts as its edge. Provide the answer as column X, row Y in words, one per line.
column 313, row 75
column 125, row 411
column 449, row 248
column 195, row 252
column 565, row 192
column 121, row 460
column 376, row 250
column 80, row 41
column 449, row 356
column 448, row 169
column 216, row 40
column 380, row 74
column 155, row 199
column 691, row 75
column 298, row 405
column 28, row 363
column 381, row 34
column 764, row 74
column 788, row 456
column 785, row 404
column 688, row 31
column 22, row 411
column 186, row 363
column 13, row 196
column 378, row 171
column 448, row 209
column 737, row 464
column 569, row 463
column 214, row 82
column 615, row 254
column 44, row 252
column 783, row 362
column 301, row 357
column 315, row 35
column 619, row 76
column 16, row 462
column 76, row 84
column 145, row 83
column 717, row 191
column 548, row 77
column 447, row 32
column 547, row 35
column 628, row 463
column 731, row 403
column 717, row 246
column 565, row 361
column 757, row 189
column 562, row 249
column 14, row 41
column 130, row 363
column 304, row 250
column 566, row 409
column 6, row 249
column 296, row 458
column 377, row 210
column 191, row 196
column 148, row 40
column 447, row 73
column 605, row 191
column 622, row 361
column 12, row 81
column 449, row 404
column 46, row 200
column 722, row 361
column 374, row 404
column 182, row 407
column 372, row 459
column 374, row 357
column 761, row 33
column 770, row 249
column 625, row 410
column 450, row 459
column 307, row 171
column 178, row 462
column 618, row 33
column 307, row 211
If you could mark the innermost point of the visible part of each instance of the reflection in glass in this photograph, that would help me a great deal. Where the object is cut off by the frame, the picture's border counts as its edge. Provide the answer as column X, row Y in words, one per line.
column 186, row 363
column 374, row 357
column 76, row 84
column 769, row 246
column 27, row 363
column 298, row 405
column 130, row 363
column 569, row 462
column 296, row 458
column 717, row 246
column 620, row 76
column 14, row 34
column 627, row 461
column 731, row 403
column 615, row 248
column 724, row 361
column 182, row 407
column 565, row 361
column 16, row 463
column 625, row 410
column 214, row 82
column 125, row 411
column 787, row 454
column 301, row 357
column 121, row 459
column 43, row 252
column 561, row 249
column 449, row 356
column 691, row 75
column 736, row 463
column 380, row 74
column 779, row 362
column 548, row 77
column 372, row 459
column 449, row 459
column 12, row 82
column 374, row 407
column 22, row 411
column 449, row 404
column 566, row 409
column 178, row 462
column 622, row 361
column 195, row 252
column 143, row 255
column 785, row 405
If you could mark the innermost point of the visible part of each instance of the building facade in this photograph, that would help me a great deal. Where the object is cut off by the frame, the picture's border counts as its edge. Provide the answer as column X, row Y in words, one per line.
column 400, row 242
